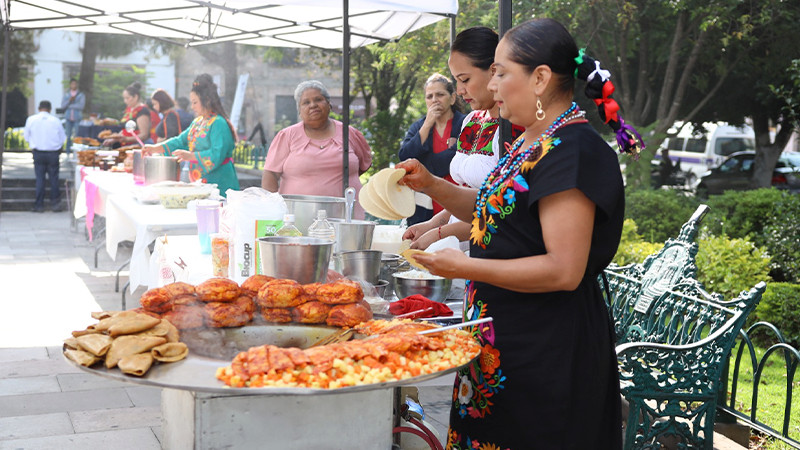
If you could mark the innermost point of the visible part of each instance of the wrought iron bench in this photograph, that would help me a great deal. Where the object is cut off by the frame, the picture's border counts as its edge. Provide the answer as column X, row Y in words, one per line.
column 673, row 339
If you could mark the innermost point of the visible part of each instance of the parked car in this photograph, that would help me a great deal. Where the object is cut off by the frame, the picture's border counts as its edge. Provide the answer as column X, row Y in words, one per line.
column 736, row 172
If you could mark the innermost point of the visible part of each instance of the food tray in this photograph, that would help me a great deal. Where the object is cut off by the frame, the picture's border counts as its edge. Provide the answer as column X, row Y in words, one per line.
column 198, row 372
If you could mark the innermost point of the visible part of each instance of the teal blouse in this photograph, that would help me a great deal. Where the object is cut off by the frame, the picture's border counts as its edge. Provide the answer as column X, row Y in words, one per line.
column 211, row 141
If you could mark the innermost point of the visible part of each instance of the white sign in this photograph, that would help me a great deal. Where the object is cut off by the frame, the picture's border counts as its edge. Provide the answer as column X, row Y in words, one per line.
column 238, row 99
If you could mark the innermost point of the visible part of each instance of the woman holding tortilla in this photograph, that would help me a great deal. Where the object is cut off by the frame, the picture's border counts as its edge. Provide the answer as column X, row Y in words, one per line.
column 545, row 223
column 477, row 151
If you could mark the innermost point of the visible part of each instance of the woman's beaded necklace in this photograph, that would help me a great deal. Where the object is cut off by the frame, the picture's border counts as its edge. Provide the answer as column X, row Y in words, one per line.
column 509, row 165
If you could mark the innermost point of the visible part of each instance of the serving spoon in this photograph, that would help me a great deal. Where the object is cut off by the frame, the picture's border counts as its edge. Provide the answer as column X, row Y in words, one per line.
column 130, row 127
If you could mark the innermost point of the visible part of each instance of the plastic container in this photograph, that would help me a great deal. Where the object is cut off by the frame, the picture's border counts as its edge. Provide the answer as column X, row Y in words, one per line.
column 207, row 223
column 321, row 228
column 288, row 229
column 220, row 255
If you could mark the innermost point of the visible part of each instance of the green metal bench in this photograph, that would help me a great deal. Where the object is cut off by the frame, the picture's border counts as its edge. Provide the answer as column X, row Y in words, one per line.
column 673, row 340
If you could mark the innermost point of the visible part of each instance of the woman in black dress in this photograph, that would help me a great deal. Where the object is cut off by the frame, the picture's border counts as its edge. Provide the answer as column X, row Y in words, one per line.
column 549, row 217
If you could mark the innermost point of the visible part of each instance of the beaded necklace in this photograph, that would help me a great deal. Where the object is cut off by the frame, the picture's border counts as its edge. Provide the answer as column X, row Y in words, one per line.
column 510, row 164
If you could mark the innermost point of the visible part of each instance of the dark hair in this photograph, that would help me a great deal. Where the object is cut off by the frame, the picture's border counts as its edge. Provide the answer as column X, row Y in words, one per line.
column 183, row 102
column 46, row 105
column 546, row 42
column 73, row 79
column 165, row 102
column 478, row 44
column 206, row 92
column 134, row 89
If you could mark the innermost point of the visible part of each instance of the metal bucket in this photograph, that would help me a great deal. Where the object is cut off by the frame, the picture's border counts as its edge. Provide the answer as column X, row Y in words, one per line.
column 353, row 235
column 305, row 207
column 301, row 258
column 161, row 168
column 138, row 167
column 363, row 264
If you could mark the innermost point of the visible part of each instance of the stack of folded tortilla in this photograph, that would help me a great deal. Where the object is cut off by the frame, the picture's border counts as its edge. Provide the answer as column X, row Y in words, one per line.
column 128, row 340
column 383, row 197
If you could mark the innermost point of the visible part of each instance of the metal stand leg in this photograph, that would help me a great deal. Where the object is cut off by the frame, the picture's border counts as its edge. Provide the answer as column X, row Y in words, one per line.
column 119, row 269
column 97, row 247
column 125, row 289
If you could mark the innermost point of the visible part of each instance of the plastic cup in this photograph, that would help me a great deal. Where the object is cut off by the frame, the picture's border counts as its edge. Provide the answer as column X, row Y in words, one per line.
column 207, row 223
column 220, row 256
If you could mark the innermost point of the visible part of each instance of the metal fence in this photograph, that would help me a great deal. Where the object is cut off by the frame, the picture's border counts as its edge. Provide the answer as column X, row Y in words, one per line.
column 746, row 357
column 249, row 155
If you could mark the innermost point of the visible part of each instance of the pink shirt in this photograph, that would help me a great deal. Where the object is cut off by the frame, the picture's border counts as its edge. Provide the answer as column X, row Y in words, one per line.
column 314, row 167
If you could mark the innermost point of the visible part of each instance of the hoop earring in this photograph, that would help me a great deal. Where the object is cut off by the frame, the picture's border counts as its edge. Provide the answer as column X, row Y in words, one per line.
column 540, row 115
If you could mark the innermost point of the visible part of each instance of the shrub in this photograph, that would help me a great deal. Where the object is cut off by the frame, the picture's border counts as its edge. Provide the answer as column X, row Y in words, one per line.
column 782, row 239
column 659, row 214
column 730, row 266
column 742, row 214
column 632, row 249
column 779, row 306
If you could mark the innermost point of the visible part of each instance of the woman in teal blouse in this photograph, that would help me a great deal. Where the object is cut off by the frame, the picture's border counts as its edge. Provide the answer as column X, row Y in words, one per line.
column 208, row 142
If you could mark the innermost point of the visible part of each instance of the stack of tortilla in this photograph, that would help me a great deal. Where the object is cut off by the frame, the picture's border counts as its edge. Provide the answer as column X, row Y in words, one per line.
column 129, row 340
column 383, row 197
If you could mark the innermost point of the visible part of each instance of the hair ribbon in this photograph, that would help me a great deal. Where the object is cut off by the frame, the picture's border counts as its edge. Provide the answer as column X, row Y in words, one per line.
column 605, row 75
column 579, row 60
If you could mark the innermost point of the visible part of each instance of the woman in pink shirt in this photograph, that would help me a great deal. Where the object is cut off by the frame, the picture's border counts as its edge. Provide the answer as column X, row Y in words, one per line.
column 306, row 158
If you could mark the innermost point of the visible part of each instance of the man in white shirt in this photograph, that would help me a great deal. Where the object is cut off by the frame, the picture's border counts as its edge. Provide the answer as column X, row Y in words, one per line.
column 45, row 135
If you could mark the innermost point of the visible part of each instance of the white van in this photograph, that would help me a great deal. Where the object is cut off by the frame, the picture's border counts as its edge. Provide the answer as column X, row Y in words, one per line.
column 700, row 151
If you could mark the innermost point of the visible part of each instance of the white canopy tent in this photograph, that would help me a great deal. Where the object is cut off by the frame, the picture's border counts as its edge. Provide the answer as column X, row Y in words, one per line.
column 326, row 24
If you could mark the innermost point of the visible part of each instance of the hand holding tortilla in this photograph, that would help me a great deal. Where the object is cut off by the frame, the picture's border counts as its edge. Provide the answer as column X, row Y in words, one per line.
column 384, row 197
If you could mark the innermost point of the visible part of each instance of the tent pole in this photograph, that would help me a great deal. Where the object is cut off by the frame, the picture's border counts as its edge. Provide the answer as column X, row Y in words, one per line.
column 503, row 25
column 345, row 94
column 3, row 96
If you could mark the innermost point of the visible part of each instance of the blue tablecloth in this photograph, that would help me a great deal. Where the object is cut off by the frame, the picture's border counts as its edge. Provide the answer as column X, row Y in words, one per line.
column 91, row 131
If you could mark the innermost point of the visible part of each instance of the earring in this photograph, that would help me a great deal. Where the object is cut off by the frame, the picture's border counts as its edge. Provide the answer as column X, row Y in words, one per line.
column 540, row 115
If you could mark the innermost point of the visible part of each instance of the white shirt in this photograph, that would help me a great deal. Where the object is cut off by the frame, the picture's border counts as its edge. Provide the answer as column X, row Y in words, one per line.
column 44, row 131
column 471, row 170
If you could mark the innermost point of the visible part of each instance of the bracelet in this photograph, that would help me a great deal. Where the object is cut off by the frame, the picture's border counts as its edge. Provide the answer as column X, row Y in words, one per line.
column 440, row 232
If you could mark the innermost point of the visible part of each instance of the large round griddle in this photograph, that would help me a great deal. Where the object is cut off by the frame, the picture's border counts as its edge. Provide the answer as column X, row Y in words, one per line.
column 198, row 371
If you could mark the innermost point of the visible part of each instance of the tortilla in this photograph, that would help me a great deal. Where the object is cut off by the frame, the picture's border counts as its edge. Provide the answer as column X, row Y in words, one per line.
column 132, row 325
column 96, row 344
column 81, row 357
column 100, row 315
column 378, row 191
column 170, row 352
column 78, row 333
column 163, row 329
column 370, row 202
column 130, row 345
column 72, row 343
column 106, row 323
column 409, row 256
column 137, row 365
column 399, row 198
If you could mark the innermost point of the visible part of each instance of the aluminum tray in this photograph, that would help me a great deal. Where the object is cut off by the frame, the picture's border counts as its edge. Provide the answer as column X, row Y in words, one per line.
column 198, row 371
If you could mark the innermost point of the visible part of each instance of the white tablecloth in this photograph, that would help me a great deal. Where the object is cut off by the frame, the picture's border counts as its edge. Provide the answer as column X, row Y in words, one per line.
column 183, row 256
column 129, row 220
column 91, row 202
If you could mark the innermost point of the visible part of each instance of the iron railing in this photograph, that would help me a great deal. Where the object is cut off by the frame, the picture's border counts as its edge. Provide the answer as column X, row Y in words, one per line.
column 791, row 358
column 249, row 155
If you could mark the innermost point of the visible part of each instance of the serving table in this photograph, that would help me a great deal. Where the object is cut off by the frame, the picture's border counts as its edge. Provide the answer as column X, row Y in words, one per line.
column 129, row 220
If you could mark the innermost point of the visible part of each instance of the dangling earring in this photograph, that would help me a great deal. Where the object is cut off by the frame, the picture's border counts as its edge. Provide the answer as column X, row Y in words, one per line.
column 540, row 115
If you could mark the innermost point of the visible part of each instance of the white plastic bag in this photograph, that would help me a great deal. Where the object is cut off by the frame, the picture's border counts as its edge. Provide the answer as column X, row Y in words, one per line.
column 255, row 212
column 167, row 265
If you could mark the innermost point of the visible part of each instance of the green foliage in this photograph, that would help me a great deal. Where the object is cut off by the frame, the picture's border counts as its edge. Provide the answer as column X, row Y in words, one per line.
column 782, row 238
column 730, row 266
column 15, row 139
column 632, row 248
column 741, row 214
column 108, row 87
column 779, row 306
column 658, row 214
column 20, row 59
column 790, row 94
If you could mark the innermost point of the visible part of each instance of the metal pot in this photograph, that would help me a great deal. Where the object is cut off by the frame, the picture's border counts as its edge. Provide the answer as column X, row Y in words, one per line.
column 300, row 258
column 305, row 207
column 138, row 167
column 161, row 168
column 364, row 264
column 353, row 235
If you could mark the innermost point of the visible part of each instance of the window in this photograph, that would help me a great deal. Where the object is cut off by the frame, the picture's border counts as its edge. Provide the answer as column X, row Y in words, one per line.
column 675, row 144
column 696, row 145
column 727, row 146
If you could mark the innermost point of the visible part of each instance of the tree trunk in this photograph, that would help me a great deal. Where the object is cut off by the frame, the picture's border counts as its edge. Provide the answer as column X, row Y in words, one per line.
column 91, row 49
column 224, row 56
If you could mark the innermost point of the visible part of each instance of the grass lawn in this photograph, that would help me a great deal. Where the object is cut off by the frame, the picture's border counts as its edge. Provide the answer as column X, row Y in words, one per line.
column 772, row 394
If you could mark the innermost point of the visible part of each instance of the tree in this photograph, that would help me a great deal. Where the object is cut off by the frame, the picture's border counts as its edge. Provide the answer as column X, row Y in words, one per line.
column 20, row 59
column 225, row 56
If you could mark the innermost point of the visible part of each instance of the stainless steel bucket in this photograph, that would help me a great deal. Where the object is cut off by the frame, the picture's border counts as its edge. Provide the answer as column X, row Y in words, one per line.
column 363, row 264
column 301, row 258
column 305, row 207
column 353, row 235
column 161, row 168
column 138, row 167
